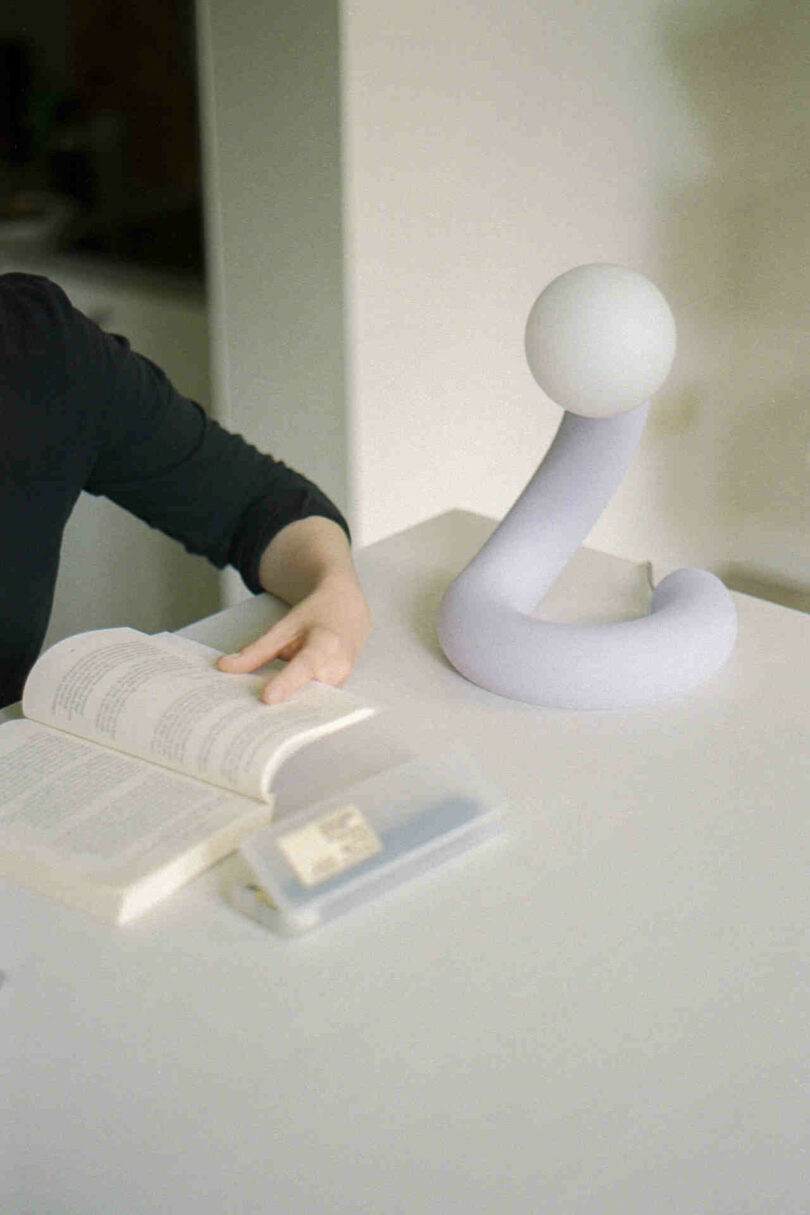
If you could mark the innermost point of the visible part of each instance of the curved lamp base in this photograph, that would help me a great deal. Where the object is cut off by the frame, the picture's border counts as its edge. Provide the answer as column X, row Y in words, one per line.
column 485, row 626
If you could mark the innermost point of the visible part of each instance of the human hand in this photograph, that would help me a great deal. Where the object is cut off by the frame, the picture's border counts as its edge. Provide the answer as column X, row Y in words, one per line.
column 319, row 638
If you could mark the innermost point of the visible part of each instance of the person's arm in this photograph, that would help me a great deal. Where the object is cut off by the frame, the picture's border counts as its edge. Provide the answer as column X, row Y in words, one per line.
column 157, row 454
column 309, row 565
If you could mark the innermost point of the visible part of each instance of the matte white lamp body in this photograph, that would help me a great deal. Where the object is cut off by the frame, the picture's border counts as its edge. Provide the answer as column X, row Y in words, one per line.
column 602, row 336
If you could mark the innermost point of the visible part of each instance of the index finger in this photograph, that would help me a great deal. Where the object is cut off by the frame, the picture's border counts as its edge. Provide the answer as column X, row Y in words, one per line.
column 263, row 649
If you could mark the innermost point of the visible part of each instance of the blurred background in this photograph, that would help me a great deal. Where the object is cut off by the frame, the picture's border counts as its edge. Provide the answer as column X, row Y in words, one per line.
column 99, row 132
column 100, row 190
column 328, row 223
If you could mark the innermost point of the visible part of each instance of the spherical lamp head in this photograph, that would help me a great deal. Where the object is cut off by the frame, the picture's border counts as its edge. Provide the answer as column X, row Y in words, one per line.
column 600, row 340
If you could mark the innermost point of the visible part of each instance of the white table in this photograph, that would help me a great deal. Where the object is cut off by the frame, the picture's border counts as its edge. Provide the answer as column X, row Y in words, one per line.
column 606, row 1012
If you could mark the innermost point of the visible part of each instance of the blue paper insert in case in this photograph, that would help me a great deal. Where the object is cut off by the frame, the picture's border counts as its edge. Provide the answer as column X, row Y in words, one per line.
column 365, row 840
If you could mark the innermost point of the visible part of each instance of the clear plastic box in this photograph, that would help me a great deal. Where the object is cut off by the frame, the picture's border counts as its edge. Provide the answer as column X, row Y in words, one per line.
column 362, row 842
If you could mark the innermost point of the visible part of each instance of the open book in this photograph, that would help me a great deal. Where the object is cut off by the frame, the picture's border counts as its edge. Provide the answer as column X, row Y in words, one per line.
column 138, row 764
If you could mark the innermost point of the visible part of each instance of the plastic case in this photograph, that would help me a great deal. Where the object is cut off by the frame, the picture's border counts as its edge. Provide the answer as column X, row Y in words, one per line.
column 365, row 840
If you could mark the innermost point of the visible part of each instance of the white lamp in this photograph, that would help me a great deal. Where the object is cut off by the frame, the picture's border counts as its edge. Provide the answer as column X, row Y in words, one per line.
column 600, row 341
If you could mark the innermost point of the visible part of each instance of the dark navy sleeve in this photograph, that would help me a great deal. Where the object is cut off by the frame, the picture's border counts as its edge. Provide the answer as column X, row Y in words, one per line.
column 162, row 458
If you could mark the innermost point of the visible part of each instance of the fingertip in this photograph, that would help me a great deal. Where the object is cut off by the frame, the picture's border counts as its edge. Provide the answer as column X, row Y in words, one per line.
column 225, row 659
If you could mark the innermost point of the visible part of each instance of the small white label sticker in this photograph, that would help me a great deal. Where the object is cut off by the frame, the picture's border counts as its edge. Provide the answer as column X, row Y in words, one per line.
column 337, row 841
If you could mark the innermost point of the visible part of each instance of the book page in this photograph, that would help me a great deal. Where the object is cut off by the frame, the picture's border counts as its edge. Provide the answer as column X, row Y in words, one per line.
column 164, row 700
column 107, row 817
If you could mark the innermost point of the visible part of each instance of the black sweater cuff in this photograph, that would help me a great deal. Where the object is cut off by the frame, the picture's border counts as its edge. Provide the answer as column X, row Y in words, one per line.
column 263, row 520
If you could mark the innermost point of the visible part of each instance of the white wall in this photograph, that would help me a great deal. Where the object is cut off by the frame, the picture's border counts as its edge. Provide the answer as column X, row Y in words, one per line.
column 269, row 86
column 492, row 144
column 487, row 146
